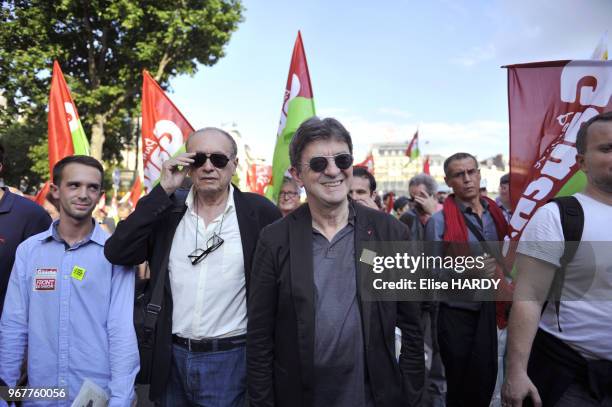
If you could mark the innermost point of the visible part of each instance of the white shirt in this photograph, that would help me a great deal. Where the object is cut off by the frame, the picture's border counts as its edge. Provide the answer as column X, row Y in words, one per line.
column 586, row 323
column 209, row 299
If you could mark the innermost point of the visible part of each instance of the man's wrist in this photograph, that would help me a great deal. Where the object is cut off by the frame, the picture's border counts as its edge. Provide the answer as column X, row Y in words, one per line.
column 168, row 189
column 516, row 367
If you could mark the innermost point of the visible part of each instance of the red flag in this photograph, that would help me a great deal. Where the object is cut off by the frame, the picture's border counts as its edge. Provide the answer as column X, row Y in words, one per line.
column 41, row 196
column 367, row 163
column 413, row 147
column 164, row 129
column 548, row 101
column 390, row 202
column 258, row 176
column 136, row 191
column 426, row 166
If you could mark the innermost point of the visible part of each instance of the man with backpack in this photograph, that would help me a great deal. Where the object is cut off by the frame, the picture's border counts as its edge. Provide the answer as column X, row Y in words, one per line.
column 560, row 352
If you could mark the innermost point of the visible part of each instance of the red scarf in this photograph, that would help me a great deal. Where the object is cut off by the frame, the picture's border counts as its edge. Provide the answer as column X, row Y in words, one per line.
column 455, row 230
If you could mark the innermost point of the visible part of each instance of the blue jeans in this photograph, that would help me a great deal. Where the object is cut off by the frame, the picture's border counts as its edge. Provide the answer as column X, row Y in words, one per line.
column 210, row 379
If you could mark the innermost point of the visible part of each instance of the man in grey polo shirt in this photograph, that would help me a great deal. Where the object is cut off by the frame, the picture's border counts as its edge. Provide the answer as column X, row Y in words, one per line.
column 312, row 340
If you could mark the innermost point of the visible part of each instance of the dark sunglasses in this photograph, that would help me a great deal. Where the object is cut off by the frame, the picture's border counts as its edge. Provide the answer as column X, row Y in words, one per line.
column 216, row 159
column 319, row 164
column 211, row 245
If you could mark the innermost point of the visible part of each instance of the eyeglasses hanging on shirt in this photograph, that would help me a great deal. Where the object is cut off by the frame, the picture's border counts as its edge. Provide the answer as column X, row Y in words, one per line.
column 212, row 244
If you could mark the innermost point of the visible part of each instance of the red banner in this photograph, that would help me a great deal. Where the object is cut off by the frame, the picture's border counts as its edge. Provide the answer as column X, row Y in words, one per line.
column 258, row 176
column 164, row 129
column 548, row 102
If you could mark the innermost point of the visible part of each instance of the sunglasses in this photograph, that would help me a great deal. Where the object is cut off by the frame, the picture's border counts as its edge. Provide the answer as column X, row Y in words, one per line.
column 216, row 159
column 343, row 161
column 211, row 245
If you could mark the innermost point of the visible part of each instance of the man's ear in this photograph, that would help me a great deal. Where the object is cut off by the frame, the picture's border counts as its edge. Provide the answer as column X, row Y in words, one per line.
column 54, row 189
column 580, row 161
column 233, row 161
column 296, row 176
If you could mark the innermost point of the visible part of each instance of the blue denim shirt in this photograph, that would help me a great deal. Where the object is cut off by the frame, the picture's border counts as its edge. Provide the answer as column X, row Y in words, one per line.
column 73, row 310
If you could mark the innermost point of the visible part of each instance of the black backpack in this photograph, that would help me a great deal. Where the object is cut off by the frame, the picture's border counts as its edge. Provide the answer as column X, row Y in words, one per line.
column 572, row 223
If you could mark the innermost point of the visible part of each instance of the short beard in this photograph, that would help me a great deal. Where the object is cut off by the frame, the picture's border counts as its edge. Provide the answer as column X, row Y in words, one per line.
column 603, row 183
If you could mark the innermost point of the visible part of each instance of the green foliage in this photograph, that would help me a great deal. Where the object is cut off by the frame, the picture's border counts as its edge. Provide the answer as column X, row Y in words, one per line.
column 26, row 154
column 102, row 47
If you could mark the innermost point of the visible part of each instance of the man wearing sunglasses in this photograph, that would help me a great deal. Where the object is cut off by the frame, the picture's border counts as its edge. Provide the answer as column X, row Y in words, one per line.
column 312, row 339
column 203, row 239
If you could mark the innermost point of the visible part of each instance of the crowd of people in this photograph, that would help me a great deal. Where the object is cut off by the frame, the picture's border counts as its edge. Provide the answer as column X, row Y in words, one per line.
column 242, row 302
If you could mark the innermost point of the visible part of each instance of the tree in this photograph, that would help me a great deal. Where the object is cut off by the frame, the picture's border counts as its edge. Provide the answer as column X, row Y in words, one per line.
column 102, row 47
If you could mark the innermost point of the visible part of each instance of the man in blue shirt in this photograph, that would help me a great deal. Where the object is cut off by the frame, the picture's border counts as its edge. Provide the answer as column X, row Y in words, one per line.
column 66, row 303
column 20, row 218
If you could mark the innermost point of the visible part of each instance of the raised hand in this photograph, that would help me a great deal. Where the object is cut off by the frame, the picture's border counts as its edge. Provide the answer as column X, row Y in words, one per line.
column 174, row 171
column 427, row 202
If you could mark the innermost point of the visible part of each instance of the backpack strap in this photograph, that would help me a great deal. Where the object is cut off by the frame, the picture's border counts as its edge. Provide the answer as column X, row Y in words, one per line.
column 572, row 223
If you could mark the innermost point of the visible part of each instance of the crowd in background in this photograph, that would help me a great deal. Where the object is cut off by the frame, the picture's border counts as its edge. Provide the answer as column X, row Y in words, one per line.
column 210, row 255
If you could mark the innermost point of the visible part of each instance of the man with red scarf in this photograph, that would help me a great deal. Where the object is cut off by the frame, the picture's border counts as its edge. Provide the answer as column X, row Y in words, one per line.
column 467, row 331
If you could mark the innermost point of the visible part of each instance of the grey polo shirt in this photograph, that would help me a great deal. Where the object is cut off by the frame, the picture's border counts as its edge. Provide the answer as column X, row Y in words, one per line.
column 339, row 357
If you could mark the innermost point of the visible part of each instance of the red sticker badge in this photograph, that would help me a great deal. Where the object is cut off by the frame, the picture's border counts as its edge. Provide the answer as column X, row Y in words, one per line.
column 44, row 284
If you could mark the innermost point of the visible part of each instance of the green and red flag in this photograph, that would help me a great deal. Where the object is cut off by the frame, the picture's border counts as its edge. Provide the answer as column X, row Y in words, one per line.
column 601, row 51
column 66, row 134
column 164, row 129
column 413, row 147
column 65, row 131
column 548, row 102
column 298, row 105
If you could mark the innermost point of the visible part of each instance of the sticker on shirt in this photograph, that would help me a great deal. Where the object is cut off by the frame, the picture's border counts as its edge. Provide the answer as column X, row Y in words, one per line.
column 48, row 272
column 44, row 284
column 78, row 273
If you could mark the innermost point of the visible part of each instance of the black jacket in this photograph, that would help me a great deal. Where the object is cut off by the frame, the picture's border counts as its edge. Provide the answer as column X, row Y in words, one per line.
column 147, row 234
column 280, row 333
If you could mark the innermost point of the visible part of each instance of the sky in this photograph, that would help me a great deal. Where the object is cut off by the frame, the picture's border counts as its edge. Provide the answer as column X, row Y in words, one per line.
column 385, row 68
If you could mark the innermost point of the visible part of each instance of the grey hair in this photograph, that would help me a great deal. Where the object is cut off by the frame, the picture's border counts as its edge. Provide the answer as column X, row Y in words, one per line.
column 423, row 179
column 234, row 151
column 290, row 180
column 457, row 157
